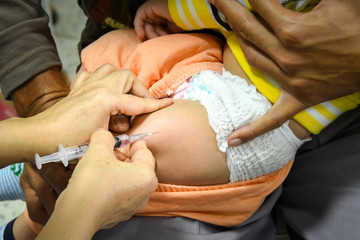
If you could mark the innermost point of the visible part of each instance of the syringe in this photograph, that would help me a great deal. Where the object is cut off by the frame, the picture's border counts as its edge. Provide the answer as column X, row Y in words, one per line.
column 65, row 155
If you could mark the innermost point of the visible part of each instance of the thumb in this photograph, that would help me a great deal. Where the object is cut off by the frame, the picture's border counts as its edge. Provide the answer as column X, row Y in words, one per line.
column 102, row 142
column 284, row 109
column 141, row 155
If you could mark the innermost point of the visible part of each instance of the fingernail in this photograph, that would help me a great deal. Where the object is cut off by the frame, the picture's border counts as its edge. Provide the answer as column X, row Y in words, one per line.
column 211, row 1
column 235, row 142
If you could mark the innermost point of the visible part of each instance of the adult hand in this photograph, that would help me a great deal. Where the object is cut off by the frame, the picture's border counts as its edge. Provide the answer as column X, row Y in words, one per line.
column 93, row 99
column 103, row 190
column 40, row 195
column 153, row 19
column 313, row 55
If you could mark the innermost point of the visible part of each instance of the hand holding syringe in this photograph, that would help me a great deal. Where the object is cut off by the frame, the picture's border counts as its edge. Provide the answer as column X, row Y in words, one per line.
column 65, row 155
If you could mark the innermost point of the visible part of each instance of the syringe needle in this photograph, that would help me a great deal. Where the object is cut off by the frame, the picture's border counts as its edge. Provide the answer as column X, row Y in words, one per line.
column 140, row 136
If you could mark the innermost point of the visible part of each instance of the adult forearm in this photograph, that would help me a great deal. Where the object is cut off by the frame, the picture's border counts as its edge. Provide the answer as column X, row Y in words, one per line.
column 26, row 44
column 17, row 146
column 71, row 219
column 39, row 93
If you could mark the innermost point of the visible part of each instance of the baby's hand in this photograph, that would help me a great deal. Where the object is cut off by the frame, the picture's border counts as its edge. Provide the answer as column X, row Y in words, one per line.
column 153, row 19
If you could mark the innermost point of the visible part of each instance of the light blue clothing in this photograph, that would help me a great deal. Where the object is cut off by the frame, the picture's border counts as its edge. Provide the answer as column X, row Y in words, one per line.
column 2, row 229
column 10, row 188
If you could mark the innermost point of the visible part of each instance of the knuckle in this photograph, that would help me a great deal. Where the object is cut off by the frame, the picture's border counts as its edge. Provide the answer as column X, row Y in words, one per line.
column 101, row 94
column 108, row 68
column 289, row 63
column 251, row 56
column 125, row 75
column 127, row 72
column 291, row 35
column 243, row 28
column 297, row 84
column 276, row 119
column 82, row 75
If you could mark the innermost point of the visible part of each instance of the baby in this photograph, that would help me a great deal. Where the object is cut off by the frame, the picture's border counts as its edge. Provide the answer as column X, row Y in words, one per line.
column 213, row 103
column 200, row 176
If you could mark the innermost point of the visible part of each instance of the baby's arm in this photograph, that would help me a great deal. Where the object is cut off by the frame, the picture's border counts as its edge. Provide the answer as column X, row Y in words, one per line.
column 153, row 19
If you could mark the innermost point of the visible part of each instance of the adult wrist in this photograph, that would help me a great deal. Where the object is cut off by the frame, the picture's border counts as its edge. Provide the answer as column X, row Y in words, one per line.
column 76, row 216
column 40, row 92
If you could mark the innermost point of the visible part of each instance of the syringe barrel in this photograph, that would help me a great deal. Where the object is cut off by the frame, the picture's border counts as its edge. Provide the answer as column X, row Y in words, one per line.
column 76, row 151
column 122, row 141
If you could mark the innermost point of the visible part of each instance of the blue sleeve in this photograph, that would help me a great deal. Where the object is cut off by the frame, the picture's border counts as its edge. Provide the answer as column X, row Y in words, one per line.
column 10, row 188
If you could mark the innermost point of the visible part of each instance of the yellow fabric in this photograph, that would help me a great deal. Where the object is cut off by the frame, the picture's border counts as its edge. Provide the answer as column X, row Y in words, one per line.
column 201, row 9
column 314, row 119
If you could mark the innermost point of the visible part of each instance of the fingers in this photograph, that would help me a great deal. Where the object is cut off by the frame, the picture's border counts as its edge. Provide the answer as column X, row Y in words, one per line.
column 120, row 155
column 140, row 32
column 161, row 30
column 80, row 78
column 273, row 12
column 154, row 30
column 260, row 60
column 256, row 57
column 100, row 73
column 139, row 23
column 152, row 20
column 131, row 105
column 158, row 30
column 284, row 109
column 130, row 84
column 101, row 141
column 249, row 27
column 56, row 176
column 140, row 154
column 40, row 197
column 117, row 81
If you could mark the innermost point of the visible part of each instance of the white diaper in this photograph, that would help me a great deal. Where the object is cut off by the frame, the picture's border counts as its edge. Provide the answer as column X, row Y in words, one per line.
column 232, row 103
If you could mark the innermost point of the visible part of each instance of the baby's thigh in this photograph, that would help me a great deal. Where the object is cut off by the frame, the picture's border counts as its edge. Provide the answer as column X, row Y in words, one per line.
column 185, row 150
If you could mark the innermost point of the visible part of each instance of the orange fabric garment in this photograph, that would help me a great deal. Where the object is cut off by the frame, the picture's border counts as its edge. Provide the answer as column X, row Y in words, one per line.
column 35, row 227
column 162, row 64
column 226, row 205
